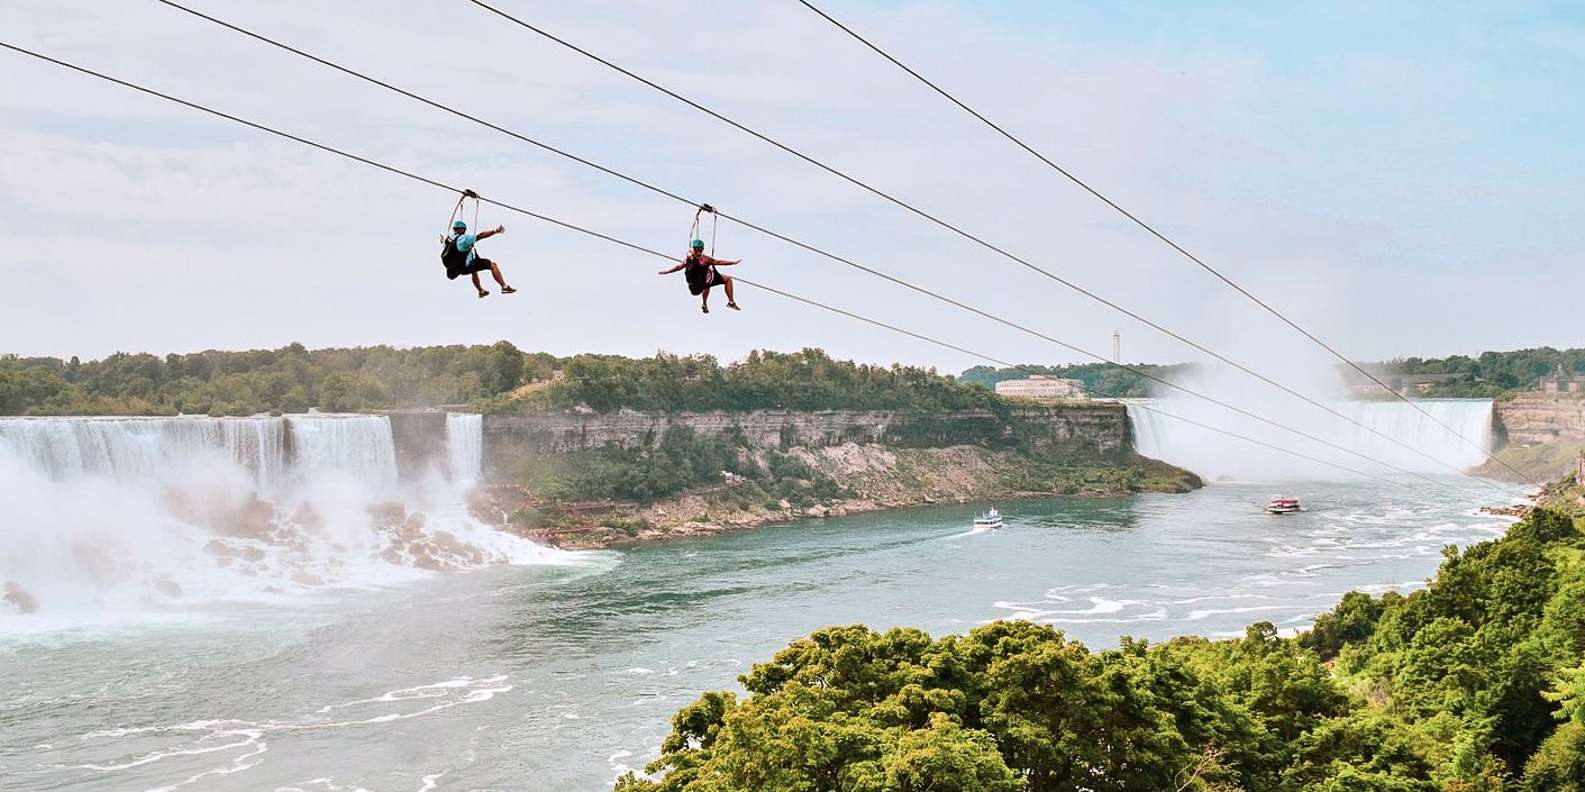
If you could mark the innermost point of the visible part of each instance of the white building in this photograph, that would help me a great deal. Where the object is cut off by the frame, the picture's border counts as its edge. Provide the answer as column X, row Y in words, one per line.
column 1038, row 387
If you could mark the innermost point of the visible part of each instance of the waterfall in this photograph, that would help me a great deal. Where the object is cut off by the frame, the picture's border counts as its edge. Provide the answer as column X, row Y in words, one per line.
column 125, row 448
column 1211, row 454
column 357, row 445
column 464, row 446
column 110, row 518
column 145, row 447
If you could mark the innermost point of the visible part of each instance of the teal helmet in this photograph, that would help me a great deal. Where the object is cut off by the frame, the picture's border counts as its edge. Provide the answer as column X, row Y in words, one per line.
column 697, row 244
column 459, row 225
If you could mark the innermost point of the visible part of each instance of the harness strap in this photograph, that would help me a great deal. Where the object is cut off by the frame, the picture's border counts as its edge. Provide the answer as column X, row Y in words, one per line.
column 457, row 210
column 715, row 220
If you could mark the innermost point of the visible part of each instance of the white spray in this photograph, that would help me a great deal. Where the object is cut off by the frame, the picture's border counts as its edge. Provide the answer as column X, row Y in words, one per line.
column 106, row 519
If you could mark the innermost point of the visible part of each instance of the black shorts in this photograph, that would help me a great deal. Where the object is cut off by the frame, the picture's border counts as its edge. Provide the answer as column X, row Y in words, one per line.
column 477, row 265
column 711, row 278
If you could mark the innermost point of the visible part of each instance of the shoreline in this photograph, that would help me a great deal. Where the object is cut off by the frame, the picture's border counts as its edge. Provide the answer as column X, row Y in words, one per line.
column 607, row 525
column 592, row 537
column 879, row 480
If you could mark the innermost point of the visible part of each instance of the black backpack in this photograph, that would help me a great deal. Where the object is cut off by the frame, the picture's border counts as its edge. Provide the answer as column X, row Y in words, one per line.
column 454, row 259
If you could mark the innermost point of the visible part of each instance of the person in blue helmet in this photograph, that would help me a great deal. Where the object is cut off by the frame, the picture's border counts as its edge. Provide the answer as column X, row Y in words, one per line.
column 702, row 275
column 461, row 256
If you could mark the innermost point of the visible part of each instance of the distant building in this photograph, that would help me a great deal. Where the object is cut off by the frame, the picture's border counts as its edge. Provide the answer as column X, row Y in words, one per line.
column 1039, row 387
column 1403, row 384
column 1558, row 382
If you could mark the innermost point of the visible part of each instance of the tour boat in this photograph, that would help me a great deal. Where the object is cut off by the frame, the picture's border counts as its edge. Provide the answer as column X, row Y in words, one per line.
column 990, row 519
column 1281, row 505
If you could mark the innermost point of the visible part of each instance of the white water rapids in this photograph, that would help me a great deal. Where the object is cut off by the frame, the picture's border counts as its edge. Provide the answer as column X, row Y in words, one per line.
column 112, row 519
column 1391, row 432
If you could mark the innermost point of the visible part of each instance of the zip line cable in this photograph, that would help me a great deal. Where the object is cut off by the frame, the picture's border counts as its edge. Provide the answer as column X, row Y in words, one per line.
column 637, row 247
column 906, row 284
column 810, row 248
column 1152, row 231
column 956, row 230
column 1021, row 369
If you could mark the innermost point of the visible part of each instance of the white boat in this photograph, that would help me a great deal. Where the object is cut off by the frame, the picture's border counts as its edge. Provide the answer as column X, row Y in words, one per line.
column 1281, row 505
column 990, row 519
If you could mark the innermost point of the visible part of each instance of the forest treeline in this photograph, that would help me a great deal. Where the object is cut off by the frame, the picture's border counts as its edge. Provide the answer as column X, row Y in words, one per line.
column 1472, row 684
column 1489, row 374
column 501, row 377
column 496, row 377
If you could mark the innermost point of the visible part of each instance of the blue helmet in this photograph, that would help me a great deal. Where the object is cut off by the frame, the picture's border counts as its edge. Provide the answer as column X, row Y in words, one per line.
column 459, row 225
column 698, row 244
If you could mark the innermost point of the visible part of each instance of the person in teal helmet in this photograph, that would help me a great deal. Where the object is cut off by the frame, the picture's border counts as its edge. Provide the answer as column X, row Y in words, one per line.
column 461, row 257
column 702, row 275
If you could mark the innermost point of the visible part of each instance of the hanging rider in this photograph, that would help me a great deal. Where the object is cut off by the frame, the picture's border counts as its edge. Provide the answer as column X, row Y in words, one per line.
column 461, row 255
column 702, row 275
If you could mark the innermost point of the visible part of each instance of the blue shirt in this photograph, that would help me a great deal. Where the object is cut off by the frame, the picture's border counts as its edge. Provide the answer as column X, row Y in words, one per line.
column 465, row 244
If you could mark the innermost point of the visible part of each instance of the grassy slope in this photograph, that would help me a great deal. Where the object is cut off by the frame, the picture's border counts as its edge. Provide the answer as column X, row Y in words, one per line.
column 1545, row 462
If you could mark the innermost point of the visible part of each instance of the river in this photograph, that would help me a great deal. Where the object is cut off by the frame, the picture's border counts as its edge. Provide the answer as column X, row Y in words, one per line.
column 559, row 673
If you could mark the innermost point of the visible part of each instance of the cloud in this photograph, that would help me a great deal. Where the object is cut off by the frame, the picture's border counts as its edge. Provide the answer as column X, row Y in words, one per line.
column 165, row 230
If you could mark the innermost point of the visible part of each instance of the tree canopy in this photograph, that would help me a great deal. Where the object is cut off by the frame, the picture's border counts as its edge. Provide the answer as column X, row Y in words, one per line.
column 289, row 379
column 493, row 377
column 1487, row 375
column 1474, row 683
column 805, row 380
column 1490, row 374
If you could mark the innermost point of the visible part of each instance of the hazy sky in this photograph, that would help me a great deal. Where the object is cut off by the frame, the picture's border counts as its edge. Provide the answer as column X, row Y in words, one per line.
column 1403, row 178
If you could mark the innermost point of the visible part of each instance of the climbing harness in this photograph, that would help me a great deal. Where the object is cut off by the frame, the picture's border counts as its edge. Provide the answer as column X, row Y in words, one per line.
column 466, row 194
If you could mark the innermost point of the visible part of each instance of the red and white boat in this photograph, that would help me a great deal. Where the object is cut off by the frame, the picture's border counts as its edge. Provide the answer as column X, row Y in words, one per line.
column 1281, row 505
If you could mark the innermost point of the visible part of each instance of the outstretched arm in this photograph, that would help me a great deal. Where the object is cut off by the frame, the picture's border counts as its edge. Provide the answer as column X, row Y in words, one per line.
column 500, row 229
column 673, row 269
column 720, row 263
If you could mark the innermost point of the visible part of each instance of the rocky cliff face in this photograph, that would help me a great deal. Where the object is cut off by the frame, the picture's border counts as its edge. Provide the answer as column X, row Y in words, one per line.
column 1536, row 420
column 509, row 439
column 420, row 440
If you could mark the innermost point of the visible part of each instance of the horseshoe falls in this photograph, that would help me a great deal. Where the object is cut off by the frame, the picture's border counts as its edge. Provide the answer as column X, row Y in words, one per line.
column 1450, row 436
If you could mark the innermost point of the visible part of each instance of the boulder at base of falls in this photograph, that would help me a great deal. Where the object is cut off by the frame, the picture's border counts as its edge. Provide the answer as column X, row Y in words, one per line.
column 19, row 598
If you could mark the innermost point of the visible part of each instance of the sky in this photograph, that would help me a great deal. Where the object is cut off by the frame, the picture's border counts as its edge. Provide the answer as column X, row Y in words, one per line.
column 1400, row 179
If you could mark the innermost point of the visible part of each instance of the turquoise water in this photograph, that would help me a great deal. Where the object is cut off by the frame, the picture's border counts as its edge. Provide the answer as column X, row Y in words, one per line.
column 561, row 677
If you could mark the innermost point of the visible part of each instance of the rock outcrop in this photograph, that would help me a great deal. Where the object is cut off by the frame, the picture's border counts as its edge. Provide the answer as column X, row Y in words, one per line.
column 420, row 440
column 1535, row 420
column 18, row 597
column 1095, row 427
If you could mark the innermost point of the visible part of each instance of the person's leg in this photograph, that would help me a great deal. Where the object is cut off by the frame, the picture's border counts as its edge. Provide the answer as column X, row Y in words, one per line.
column 478, row 285
column 495, row 270
column 731, row 302
column 704, row 300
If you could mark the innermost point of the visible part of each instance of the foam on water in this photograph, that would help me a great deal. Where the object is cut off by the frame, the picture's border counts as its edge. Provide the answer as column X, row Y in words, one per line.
column 240, row 745
column 111, row 520
column 1308, row 552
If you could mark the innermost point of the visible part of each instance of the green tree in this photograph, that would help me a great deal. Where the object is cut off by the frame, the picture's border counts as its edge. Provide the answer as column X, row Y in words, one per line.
column 338, row 393
column 1450, row 689
column 1559, row 765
